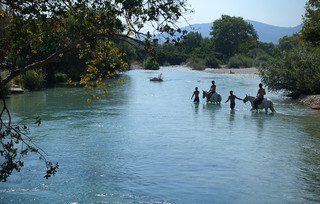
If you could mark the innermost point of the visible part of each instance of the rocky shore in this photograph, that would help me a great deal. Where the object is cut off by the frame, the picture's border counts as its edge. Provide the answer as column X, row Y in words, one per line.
column 309, row 100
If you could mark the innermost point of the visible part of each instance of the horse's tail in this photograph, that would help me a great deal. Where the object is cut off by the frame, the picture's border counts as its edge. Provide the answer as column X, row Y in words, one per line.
column 272, row 108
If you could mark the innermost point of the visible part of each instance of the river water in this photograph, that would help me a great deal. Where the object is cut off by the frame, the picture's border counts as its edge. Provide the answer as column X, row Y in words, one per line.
column 149, row 143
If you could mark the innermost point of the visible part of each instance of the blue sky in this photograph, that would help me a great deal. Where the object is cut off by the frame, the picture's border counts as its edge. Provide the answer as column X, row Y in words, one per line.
column 286, row 13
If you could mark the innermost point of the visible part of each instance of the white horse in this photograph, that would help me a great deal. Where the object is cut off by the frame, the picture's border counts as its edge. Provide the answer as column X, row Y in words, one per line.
column 215, row 98
column 265, row 104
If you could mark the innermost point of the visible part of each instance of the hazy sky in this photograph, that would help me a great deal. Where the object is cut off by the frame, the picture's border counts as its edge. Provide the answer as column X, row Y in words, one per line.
column 286, row 13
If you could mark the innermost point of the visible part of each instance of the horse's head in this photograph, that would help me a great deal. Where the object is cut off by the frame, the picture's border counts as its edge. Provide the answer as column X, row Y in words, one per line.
column 246, row 99
column 204, row 93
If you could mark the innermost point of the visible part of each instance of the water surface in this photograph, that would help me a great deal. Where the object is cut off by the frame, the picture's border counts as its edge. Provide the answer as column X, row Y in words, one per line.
column 149, row 143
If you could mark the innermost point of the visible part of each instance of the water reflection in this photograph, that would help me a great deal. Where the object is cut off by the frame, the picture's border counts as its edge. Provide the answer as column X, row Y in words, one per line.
column 195, row 107
column 232, row 114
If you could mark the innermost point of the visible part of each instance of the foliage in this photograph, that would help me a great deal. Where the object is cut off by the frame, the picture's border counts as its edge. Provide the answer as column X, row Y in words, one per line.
column 32, row 79
column 211, row 61
column 294, row 72
column 311, row 23
column 262, row 60
column 192, row 41
column 233, row 35
column 288, row 43
column 240, row 61
column 61, row 77
column 196, row 63
column 151, row 63
column 16, row 144
column 37, row 33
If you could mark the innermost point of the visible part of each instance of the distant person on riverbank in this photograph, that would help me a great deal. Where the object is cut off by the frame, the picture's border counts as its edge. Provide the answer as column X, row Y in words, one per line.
column 212, row 90
column 260, row 97
column 196, row 95
column 232, row 99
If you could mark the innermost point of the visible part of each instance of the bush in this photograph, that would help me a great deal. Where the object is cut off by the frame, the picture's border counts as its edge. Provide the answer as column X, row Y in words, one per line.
column 211, row 61
column 33, row 80
column 262, row 60
column 60, row 77
column 151, row 63
column 196, row 63
column 240, row 61
column 294, row 72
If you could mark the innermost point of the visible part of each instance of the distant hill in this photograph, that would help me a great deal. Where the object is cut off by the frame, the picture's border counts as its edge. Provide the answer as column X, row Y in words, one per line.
column 267, row 33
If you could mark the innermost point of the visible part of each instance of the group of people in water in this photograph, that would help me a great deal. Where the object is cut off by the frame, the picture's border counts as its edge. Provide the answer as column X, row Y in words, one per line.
column 260, row 96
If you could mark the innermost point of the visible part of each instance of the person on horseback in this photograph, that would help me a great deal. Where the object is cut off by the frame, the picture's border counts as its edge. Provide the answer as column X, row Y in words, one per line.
column 212, row 90
column 259, row 98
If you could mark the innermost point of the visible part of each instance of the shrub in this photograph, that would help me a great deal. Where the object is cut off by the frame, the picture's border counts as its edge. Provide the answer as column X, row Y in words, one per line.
column 240, row 61
column 151, row 63
column 211, row 61
column 60, row 77
column 262, row 60
column 33, row 80
column 294, row 72
column 196, row 63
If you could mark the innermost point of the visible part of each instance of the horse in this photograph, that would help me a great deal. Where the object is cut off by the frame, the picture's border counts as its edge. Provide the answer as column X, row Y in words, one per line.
column 215, row 98
column 265, row 104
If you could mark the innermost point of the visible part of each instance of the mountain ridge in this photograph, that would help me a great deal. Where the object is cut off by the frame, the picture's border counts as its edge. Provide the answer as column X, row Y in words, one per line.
column 267, row 33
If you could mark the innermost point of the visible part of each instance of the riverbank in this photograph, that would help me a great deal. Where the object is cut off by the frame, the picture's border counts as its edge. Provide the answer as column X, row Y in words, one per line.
column 309, row 100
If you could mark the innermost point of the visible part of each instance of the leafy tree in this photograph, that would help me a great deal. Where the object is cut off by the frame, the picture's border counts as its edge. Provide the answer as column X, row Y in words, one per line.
column 192, row 41
column 288, row 43
column 294, row 72
column 311, row 23
column 233, row 35
column 35, row 33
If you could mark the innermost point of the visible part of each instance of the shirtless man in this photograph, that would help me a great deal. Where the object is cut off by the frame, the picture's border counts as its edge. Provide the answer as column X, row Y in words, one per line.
column 232, row 99
column 196, row 95
column 259, row 98
column 211, row 91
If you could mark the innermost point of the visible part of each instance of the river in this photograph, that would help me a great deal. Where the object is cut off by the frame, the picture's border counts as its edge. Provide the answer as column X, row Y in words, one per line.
column 149, row 143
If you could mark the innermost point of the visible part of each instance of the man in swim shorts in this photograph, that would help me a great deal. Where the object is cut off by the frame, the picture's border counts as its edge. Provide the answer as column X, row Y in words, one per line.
column 232, row 99
column 196, row 95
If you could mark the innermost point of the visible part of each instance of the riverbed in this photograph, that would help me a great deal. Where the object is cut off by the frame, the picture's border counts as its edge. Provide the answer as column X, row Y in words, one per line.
column 149, row 143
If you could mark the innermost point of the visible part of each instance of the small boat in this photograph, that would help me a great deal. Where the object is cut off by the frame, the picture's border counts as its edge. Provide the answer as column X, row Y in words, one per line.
column 317, row 107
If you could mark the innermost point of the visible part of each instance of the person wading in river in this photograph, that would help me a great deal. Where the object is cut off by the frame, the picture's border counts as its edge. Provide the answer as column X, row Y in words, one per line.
column 196, row 95
column 232, row 99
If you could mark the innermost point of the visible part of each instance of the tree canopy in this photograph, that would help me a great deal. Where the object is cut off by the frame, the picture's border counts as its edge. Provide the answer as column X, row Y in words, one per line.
column 233, row 35
column 296, row 67
column 311, row 23
column 35, row 33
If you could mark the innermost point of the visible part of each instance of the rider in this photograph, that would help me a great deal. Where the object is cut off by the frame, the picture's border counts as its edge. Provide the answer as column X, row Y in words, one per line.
column 260, row 97
column 211, row 91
